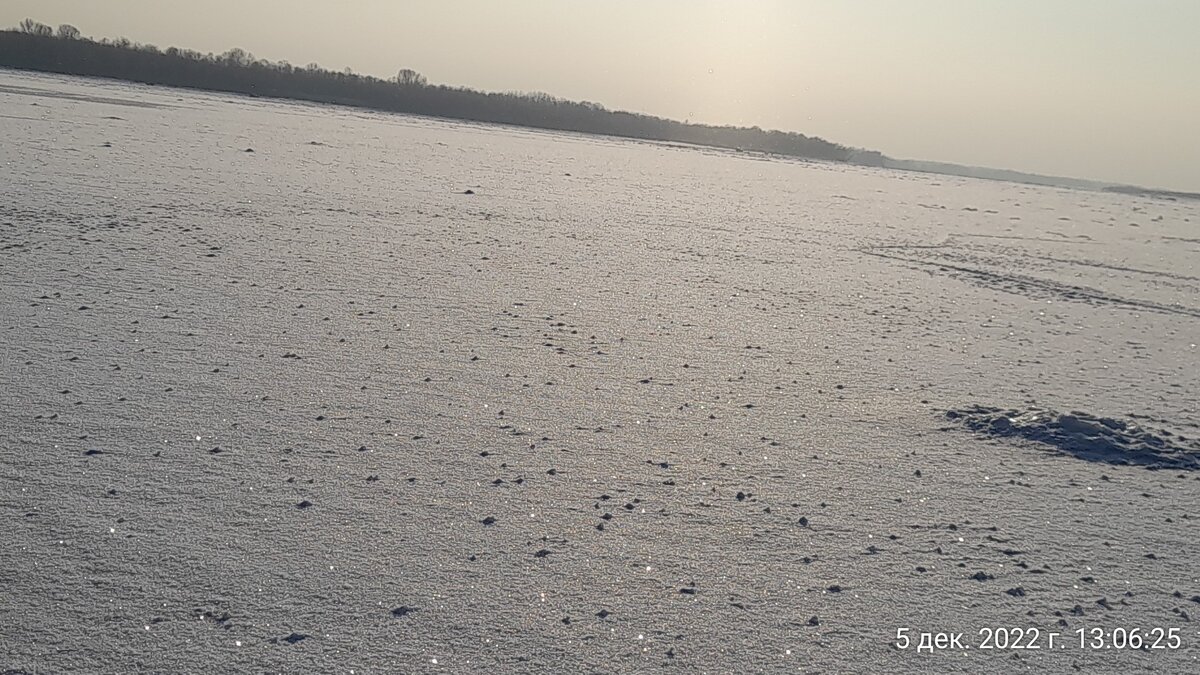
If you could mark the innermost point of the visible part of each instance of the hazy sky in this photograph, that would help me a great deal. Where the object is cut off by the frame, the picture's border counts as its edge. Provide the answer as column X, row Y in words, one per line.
column 1104, row 89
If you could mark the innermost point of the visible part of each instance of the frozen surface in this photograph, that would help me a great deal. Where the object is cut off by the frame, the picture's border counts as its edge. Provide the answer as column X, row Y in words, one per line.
column 627, row 406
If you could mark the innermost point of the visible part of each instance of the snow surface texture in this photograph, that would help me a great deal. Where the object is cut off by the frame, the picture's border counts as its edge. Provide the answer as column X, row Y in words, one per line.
column 623, row 406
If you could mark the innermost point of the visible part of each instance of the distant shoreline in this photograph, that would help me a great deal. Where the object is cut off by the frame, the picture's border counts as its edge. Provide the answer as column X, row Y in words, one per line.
column 1146, row 192
column 35, row 47
column 239, row 72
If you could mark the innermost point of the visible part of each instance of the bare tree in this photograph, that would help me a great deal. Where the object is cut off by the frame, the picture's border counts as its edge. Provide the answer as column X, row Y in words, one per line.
column 68, row 32
column 238, row 57
column 36, row 28
column 410, row 78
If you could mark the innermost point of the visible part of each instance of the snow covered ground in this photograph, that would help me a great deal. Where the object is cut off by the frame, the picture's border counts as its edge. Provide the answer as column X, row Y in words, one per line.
column 280, row 395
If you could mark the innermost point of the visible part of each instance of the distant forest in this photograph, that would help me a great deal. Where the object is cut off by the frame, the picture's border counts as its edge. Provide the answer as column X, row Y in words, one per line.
column 37, row 46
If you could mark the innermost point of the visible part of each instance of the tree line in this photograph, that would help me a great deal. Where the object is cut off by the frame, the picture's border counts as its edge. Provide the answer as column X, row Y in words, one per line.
column 37, row 46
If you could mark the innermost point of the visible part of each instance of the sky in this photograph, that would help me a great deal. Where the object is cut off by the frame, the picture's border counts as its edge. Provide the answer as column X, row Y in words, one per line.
column 1101, row 89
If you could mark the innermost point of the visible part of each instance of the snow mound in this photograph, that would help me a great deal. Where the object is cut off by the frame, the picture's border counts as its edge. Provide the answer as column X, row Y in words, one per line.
column 1095, row 439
